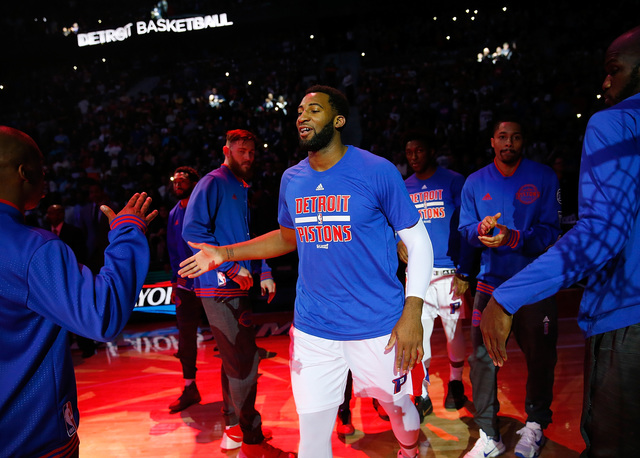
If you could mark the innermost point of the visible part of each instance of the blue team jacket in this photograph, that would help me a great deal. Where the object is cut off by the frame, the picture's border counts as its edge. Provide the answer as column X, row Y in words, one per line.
column 43, row 293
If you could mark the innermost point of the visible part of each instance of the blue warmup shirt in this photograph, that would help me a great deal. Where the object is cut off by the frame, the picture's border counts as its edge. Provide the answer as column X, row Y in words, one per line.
column 344, row 219
column 43, row 293
column 438, row 201
column 218, row 214
column 529, row 201
column 177, row 248
column 605, row 242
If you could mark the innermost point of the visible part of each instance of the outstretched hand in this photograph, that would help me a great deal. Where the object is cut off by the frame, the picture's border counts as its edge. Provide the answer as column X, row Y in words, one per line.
column 209, row 257
column 138, row 205
column 495, row 326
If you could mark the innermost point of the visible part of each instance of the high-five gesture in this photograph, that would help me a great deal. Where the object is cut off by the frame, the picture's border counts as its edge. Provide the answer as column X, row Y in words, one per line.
column 138, row 205
column 209, row 257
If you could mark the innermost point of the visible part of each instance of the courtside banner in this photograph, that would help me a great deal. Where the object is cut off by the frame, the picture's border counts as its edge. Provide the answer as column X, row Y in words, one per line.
column 155, row 296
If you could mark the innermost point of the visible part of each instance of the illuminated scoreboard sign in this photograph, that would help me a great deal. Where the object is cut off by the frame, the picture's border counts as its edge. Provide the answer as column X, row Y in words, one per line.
column 180, row 25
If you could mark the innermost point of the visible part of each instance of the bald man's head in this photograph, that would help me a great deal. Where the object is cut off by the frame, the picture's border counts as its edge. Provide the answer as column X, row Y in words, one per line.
column 21, row 169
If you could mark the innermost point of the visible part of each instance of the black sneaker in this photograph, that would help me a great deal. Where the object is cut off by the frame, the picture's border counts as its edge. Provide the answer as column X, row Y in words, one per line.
column 456, row 398
column 424, row 406
column 381, row 412
column 190, row 395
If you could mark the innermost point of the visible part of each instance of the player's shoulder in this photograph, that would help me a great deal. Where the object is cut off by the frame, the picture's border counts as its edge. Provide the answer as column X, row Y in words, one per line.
column 367, row 163
column 448, row 173
column 535, row 167
column 296, row 169
column 479, row 174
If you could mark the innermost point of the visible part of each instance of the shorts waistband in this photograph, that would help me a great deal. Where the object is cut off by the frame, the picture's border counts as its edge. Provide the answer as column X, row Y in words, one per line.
column 437, row 272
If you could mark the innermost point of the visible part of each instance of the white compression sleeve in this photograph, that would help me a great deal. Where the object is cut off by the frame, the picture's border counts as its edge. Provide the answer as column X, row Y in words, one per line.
column 420, row 262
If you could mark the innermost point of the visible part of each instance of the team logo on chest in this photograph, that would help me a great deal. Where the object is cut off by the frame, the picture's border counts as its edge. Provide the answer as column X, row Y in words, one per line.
column 527, row 194
column 321, row 219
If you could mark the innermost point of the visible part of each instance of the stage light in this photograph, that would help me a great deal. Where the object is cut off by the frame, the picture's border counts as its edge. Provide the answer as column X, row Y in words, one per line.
column 362, row 54
column 226, row 74
column 311, row 37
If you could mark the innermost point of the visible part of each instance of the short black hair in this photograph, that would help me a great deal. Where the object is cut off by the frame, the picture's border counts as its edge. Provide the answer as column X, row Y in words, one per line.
column 190, row 172
column 427, row 139
column 337, row 99
column 508, row 117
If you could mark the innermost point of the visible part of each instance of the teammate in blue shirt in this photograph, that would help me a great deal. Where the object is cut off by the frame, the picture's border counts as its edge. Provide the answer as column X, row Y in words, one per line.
column 189, row 310
column 436, row 193
column 218, row 213
column 340, row 208
column 45, row 292
column 511, row 210
column 603, row 246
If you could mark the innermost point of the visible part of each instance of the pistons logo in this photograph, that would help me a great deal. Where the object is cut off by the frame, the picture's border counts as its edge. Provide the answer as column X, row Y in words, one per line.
column 245, row 319
column 476, row 317
column 527, row 194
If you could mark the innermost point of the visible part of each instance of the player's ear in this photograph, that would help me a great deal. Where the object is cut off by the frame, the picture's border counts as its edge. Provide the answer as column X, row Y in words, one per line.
column 27, row 173
column 339, row 121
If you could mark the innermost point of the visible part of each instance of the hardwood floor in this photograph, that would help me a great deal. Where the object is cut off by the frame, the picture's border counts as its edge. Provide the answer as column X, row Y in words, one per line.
column 125, row 389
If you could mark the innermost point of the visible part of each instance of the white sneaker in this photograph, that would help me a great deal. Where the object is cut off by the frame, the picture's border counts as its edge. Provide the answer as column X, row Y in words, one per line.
column 231, row 438
column 486, row 447
column 531, row 442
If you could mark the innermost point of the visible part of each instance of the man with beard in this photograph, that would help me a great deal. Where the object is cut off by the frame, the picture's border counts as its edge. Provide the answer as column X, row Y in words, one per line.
column 340, row 208
column 189, row 310
column 218, row 213
column 524, row 196
column 602, row 246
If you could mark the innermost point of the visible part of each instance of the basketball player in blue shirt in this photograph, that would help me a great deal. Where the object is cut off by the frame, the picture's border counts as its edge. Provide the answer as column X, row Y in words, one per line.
column 436, row 193
column 340, row 207
column 511, row 210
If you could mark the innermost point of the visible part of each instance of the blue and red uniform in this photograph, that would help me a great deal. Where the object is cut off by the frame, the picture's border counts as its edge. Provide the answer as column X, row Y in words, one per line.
column 45, row 292
column 344, row 219
column 218, row 214
column 529, row 202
